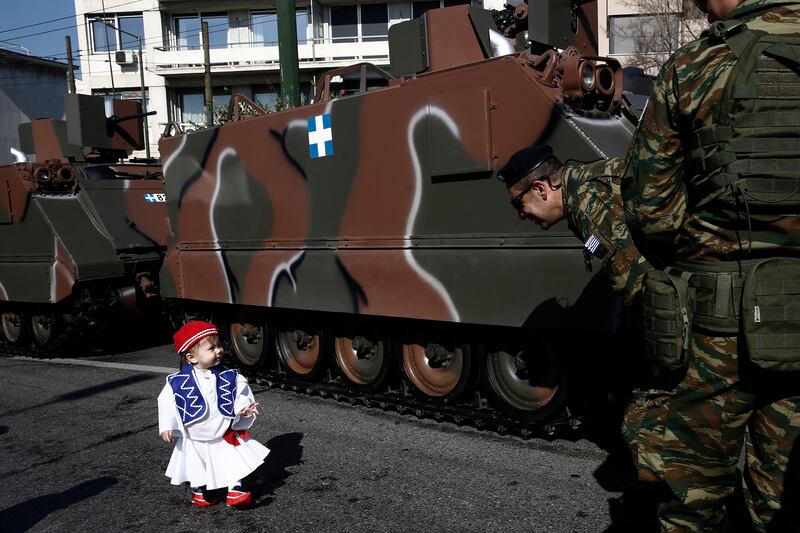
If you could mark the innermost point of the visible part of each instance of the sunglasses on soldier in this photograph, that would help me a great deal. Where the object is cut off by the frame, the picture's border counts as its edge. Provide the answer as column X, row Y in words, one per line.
column 516, row 202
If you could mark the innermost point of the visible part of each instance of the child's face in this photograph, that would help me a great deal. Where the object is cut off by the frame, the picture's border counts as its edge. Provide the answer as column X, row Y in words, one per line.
column 206, row 353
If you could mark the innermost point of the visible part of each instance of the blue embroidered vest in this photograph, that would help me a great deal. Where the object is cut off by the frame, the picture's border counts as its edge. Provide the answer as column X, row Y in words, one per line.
column 189, row 400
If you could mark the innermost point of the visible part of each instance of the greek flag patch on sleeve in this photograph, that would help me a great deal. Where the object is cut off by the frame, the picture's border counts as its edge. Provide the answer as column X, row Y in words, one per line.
column 595, row 247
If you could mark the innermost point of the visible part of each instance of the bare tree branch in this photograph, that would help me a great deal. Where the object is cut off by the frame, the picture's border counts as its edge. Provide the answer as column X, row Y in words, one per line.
column 658, row 28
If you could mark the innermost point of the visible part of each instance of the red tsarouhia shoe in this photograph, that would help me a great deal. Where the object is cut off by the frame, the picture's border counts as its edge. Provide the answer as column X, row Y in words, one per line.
column 199, row 500
column 239, row 498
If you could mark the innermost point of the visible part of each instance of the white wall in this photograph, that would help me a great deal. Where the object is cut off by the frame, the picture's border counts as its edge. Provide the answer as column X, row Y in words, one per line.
column 38, row 92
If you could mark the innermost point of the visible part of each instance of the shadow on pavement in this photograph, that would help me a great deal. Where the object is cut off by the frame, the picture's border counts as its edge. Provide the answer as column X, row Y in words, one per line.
column 25, row 515
column 53, row 460
column 88, row 391
column 285, row 451
column 133, row 334
column 635, row 509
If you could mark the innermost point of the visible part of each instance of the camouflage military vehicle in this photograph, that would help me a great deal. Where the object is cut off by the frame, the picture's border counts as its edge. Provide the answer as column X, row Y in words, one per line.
column 361, row 245
column 83, row 235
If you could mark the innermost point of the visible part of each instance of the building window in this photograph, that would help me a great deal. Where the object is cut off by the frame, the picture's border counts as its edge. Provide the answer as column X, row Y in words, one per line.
column 302, row 27
column 188, row 30
column 419, row 8
column 264, row 28
column 267, row 98
column 106, row 35
column 191, row 105
column 344, row 24
column 374, row 22
column 643, row 34
column 368, row 22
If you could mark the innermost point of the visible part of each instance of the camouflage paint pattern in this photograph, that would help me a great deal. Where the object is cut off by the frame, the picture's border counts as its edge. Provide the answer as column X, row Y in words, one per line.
column 81, row 224
column 593, row 206
column 404, row 219
column 690, row 435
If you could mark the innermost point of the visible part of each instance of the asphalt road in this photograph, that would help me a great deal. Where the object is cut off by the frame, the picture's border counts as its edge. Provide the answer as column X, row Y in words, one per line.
column 81, row 452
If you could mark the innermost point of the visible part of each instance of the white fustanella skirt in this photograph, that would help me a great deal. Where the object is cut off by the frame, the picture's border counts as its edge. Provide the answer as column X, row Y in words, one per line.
column 215, row 464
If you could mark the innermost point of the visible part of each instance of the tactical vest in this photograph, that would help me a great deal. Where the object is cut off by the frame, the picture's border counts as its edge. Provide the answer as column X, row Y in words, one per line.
column 748, row 162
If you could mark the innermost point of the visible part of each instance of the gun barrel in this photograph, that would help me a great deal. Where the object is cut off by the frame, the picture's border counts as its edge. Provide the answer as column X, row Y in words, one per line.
column 115, row 119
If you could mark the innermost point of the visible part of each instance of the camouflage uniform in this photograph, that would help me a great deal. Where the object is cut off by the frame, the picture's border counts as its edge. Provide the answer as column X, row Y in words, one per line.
column 690, row 435
column 593, row 207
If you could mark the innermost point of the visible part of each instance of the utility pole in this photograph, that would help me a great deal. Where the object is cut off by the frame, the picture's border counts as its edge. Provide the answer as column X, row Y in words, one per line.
column 70, row 67
column 287, row 53
column 141, row 81
column 209, row 100
column 144, row 99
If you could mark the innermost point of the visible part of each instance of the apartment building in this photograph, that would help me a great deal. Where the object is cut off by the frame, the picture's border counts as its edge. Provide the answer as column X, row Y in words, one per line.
column 243, row 38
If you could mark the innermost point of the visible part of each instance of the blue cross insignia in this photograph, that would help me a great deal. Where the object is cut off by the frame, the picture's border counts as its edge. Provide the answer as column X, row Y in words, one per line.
column 320, row 136
column 155, row 197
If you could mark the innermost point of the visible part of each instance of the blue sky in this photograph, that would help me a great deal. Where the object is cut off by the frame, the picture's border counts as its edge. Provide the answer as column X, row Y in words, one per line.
column 50, row 39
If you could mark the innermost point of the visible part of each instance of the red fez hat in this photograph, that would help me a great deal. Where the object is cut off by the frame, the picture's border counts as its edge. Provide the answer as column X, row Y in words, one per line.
column 191, row 333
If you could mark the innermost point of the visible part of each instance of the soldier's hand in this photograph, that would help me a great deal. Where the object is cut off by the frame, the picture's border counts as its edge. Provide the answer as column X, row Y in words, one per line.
column 167, row 436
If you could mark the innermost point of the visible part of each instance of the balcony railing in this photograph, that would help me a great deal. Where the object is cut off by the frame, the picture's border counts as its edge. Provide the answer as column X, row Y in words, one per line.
column 373, row 48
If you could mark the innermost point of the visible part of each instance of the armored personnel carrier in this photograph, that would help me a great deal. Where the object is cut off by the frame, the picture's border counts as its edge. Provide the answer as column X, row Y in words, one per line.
column 83, row 234
column 361, row 246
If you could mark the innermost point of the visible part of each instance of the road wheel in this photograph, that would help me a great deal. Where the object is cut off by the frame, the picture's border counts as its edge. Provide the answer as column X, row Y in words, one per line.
column 299, row 352
column 527, row 383
column 365, row 362
column 44, row 329
column 12, row 327
column 438, row 372
column 248, row 338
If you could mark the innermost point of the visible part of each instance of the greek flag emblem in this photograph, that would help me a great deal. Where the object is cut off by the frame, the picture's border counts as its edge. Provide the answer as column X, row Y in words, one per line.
column 320, row 136
column 592, row 243
column 595, row 247
column 155, row 197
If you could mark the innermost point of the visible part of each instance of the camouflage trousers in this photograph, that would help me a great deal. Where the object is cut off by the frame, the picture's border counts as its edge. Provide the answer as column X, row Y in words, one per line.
column 690, row 436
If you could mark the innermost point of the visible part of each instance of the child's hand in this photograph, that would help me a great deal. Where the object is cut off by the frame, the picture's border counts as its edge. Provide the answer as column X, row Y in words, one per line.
column 250, row 410
column 167, row 436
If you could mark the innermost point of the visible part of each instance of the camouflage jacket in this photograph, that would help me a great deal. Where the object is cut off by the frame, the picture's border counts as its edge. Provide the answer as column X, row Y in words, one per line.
column 593, row 208
column 655, row 177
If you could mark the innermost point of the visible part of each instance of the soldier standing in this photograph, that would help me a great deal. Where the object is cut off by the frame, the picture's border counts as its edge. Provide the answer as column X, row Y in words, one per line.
column 711, row 186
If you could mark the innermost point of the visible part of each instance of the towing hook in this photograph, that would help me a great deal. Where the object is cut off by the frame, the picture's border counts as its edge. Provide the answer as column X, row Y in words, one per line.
column 438, row 356
column 364, row 348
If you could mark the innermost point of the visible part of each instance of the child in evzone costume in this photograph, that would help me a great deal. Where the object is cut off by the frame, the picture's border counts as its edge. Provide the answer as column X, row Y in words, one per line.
column 205, row 409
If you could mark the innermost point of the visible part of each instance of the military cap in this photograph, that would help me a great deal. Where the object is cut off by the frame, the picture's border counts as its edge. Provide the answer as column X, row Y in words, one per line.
column 523, row 163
